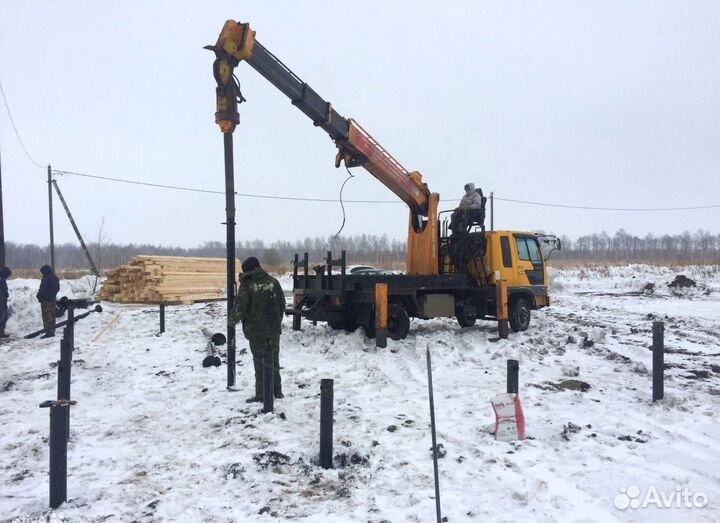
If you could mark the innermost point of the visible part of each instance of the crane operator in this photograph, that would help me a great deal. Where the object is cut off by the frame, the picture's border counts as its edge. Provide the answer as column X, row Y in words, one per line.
column 471, row 205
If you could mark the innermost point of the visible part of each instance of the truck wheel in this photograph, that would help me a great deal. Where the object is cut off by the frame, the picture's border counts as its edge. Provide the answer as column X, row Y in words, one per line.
column 519, row 314
column 398, row 322
column 463, row 319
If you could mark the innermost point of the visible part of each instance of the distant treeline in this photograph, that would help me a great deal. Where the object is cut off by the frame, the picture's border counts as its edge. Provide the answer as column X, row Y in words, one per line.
column 699, row 247
column 377, row 250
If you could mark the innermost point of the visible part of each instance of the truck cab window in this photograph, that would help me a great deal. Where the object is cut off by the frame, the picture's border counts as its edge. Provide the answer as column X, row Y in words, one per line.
column 533, row 250
column 505, row 248
column 522, row 248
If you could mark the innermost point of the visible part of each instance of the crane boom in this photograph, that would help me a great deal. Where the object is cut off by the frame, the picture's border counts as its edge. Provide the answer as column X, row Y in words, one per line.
column 356, row 147
column 301, row 94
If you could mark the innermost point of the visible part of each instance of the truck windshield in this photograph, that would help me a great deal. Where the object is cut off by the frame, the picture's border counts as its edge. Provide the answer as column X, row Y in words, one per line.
column 528, row 249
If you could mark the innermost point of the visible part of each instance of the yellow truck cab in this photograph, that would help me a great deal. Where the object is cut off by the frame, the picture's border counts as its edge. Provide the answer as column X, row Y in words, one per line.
column 517, row 258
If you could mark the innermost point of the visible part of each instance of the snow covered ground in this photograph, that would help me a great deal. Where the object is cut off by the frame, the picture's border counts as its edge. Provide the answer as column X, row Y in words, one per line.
column 157, row 437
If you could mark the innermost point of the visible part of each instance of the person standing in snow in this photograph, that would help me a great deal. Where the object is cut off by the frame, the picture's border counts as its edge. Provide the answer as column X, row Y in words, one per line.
column 470, row 203
column 5, row 273
column 260, row 305
column 47, row 296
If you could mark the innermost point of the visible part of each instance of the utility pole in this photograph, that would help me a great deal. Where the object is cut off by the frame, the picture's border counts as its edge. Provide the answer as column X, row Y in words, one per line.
column 50, row 214
column 93, row 267
column 492, row 211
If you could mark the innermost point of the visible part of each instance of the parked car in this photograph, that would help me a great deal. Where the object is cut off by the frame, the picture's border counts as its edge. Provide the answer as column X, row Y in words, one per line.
column 361, row 269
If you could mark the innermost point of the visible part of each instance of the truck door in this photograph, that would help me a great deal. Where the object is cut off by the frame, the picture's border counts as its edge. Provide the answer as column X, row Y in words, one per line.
column 530, row 266
column 504, row 263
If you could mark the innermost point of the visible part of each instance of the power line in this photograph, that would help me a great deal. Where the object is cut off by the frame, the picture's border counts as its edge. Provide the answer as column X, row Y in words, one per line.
column 190, row 189
column 654, row 209
column 133, row 182
column 15, row 128
column 328, row 200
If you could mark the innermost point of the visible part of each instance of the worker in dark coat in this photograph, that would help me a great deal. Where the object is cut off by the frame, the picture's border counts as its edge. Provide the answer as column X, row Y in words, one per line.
column 260, row 305
column 47, row 296
column 5, row 273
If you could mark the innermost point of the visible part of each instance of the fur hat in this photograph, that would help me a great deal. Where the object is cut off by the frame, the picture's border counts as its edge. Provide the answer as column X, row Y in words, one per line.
column 250, row 264
column 469, row 187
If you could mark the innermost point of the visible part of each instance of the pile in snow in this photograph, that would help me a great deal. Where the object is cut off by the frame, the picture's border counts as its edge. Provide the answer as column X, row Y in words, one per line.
column 167, row 279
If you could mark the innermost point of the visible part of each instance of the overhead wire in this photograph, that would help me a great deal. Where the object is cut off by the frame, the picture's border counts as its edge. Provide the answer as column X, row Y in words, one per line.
column 60, row 172
column 241, row 99
column 17, row 134
column 343, row 201
column 191, row 189
column 641, row 209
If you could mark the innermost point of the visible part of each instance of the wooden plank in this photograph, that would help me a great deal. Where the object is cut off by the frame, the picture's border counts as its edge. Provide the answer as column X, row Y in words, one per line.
column 168, row 279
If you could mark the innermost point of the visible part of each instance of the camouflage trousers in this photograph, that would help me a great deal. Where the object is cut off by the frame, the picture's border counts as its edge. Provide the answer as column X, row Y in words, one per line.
column 3, row 317
column 48, row 316
column 259, row 346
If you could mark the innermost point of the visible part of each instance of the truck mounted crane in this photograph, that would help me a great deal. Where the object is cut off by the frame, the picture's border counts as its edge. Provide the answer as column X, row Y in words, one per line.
column 449, row 272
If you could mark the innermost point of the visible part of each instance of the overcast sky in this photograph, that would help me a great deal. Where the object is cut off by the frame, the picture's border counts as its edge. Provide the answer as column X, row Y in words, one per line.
column 601, row 104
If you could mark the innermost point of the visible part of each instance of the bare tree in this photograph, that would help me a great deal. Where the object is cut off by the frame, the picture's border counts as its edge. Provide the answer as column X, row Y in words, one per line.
column 102, row 239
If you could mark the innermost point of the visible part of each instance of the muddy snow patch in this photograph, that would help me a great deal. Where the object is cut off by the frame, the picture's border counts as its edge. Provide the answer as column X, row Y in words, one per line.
column 682, row 282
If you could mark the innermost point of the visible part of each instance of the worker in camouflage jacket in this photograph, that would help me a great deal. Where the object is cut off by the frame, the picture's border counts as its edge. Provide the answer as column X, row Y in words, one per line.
column 260, row 305
column 47, row 296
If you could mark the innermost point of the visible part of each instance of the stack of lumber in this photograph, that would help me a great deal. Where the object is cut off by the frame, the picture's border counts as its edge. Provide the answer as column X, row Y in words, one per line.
column 167, row 279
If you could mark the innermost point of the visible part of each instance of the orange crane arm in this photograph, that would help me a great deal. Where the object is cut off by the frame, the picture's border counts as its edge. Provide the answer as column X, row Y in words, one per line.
column 356, row 147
